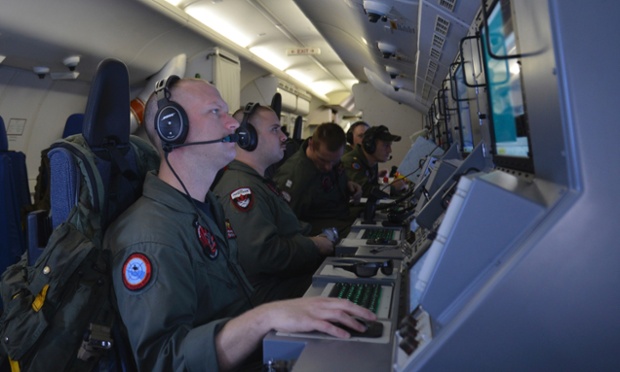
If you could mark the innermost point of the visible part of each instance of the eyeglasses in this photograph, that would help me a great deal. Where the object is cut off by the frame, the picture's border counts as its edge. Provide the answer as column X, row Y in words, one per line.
column 365, row 269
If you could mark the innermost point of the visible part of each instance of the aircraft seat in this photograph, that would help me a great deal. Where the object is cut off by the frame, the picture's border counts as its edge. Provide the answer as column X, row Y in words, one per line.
column 106, row 131
column 73, row 125
column 14, row 195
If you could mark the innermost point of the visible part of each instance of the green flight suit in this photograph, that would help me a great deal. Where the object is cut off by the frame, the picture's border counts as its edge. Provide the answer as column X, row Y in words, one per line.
column 319, row 198
column 176, row 278
column 358, row 170
column 276, row 256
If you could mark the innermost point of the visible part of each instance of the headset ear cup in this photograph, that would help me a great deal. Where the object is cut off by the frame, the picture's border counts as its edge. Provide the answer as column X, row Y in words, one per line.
column 248, row 138
column 171, row 123
column 369, row 145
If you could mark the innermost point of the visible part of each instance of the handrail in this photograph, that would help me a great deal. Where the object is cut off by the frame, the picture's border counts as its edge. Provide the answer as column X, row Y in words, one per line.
column 485, row 22
column 477, row 37
column 456, row 87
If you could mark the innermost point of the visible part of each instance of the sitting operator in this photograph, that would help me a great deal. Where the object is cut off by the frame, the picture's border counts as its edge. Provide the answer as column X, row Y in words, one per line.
column 274, row 251
column 315, row 184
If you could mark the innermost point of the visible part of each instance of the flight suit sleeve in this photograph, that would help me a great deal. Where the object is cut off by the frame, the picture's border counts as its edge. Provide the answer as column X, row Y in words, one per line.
column 158, row 304
column 266, row 246
column 356, row 173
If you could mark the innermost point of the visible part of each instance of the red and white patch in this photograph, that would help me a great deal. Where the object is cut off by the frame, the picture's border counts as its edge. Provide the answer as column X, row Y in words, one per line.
column 242, row 199
column 136, row 271
column 207, row 241
column 230, row 233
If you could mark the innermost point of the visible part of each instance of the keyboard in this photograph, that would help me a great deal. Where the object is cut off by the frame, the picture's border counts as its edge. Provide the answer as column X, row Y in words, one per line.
column 367, row 295
column 379, row 234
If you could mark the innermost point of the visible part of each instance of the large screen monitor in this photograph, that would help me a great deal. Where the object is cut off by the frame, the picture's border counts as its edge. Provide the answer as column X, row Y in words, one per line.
column 460, row 97
column 511, row 146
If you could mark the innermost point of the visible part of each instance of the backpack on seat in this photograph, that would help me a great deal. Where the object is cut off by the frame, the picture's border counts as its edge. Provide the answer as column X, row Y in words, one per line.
column 60, row 312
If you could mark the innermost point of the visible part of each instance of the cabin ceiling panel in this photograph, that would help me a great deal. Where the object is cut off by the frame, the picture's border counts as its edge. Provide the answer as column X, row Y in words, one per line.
column 43, row 33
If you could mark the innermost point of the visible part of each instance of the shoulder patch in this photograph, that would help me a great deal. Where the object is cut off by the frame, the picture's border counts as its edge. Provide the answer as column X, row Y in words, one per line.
column 230, row 233
column 356, row 166
column 242, row 199
column 288, row 183
column 137, row 271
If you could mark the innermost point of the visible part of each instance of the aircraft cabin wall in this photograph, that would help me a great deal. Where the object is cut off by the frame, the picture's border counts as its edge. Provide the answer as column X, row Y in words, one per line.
column 35, row 111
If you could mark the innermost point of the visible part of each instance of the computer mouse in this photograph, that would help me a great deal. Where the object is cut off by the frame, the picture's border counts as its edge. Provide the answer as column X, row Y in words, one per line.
column 374, row 328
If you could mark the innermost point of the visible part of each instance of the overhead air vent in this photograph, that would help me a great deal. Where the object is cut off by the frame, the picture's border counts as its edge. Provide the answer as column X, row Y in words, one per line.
column 433, row 66
column 435, row 54
column 426, row 90
column 442, row 26
column 438, row 41
column 448, row 4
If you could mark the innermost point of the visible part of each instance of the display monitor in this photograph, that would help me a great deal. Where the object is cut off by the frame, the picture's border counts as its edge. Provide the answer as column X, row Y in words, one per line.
column 465, row 127
column 511, row 146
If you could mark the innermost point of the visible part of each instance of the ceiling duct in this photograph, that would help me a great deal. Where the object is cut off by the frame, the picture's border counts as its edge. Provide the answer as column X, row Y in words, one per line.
column 262, row 90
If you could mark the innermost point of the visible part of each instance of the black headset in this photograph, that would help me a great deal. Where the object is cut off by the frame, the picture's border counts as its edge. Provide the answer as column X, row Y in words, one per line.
column 248, row 138
column 352, row 128
column 171, row 122
column 369, row 143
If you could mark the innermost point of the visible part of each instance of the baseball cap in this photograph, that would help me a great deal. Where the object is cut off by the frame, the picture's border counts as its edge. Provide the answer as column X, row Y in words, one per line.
column 381, row 132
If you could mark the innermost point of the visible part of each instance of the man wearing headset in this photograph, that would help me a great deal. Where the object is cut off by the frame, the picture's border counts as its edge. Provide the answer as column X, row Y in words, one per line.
column 274, row 250
column 315, row 184
column 362, row 163
column 355, row 135
column 181, row 295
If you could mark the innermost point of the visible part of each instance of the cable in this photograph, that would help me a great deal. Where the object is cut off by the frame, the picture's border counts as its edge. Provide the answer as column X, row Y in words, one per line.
column 197, row 210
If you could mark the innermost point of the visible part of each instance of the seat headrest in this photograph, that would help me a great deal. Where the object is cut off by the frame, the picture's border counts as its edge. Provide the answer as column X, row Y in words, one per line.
column 107, row 119
column 4, row 141
column 73, row 125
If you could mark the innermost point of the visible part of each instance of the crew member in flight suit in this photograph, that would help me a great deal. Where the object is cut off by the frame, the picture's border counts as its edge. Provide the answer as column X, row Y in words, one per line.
column 315, row 184
column 274, row 250
column 180, row 292
column 362, row 163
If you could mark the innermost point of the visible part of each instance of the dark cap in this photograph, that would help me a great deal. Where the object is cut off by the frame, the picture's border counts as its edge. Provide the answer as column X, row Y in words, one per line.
column 381, row 132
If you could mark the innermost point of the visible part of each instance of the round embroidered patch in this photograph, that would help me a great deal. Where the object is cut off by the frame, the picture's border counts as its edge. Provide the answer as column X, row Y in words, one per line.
column 207, row 241
column 242, row 199
column 356, row 166
column 136, row 272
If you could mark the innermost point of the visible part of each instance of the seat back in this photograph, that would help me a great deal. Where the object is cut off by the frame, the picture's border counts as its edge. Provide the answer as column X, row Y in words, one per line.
column 14, row 196
column 95, row 176
column 106, row 130
column 73, row 125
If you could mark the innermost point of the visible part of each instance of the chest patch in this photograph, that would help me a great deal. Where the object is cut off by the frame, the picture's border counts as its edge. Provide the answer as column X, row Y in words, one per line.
column 356, row 166
column 230, row 233
column 207, row 241
column 242, row 199
column 136, row 271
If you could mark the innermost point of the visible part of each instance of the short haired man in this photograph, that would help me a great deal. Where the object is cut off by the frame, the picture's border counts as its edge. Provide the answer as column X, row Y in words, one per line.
column 274, row 250
column 355, row 134
column 181, row 294
column 362, row 163
column 315, row 184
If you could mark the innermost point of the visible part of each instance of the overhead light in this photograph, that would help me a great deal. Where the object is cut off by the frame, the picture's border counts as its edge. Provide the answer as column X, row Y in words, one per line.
column 300, row 76
column 174, row 2
column 217, row 24
column 325, row 86
column 270, row 57
column 71, row 62
column 41, row 71
column 393, row 71
column 388, row 50
column 2, row 58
